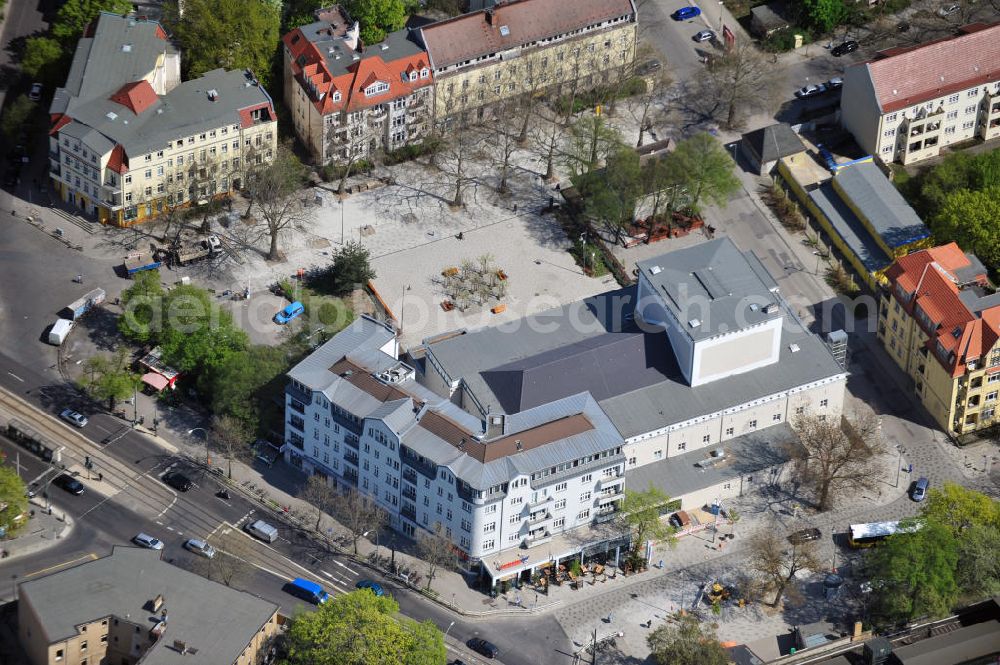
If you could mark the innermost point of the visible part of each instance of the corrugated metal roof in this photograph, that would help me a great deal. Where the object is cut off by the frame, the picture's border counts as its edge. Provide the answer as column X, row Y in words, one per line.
column 364, row 333
column 881, row 203
column 850, row 229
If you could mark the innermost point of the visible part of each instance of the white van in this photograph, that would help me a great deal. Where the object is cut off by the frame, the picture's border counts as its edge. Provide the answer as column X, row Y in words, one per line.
column 60, row 330
column 263, row 530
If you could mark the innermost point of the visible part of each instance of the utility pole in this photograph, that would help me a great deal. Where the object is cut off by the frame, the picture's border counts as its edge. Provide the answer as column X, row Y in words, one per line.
column 593, row 659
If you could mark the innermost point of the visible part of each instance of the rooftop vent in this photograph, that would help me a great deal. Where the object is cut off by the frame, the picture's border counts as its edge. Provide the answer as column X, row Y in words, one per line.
column 794, row 348
column 504, row 31
column 519, row 445
column 694, row 323
column 112, row 115
column 348, row 373
column 719, row 453
column 771, row 308
column 385, row 47
column 655, row 270
column 754, row 307
column 213, row 94
column 126, row 48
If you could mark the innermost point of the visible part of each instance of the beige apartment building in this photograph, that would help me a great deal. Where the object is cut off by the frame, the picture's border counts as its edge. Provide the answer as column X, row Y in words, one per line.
column 909, row 102
column 131, row 608
column 129, row 140
column 527, row 46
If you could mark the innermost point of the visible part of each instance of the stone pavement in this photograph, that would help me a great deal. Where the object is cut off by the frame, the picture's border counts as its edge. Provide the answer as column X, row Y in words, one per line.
column 44, row 528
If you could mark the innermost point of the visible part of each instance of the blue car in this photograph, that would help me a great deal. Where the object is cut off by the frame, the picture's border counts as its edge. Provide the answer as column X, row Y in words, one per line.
column 374, row 587
column 289, row 313
column 685, row 13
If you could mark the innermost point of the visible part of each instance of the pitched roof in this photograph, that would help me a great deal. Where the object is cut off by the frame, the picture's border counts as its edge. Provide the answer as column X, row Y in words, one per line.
column 513, row 24
column 136, row 96
column 774, row 142
column 904, row 77
column 880, row 203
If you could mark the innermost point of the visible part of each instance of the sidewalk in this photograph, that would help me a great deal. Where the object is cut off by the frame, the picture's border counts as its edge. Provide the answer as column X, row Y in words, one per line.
column 42, row 531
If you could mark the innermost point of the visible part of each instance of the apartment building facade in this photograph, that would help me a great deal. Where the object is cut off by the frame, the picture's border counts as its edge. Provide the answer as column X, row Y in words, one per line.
column 349, row 100
column 909, row 102
column 507, row 441
column 132, row 608
column 129, row 140
column 939, row 320
column 525, row 47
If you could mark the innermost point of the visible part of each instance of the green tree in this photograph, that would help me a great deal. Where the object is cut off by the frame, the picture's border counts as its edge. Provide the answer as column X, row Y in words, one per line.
column 351, row 267
column 74, row 15
column 969, row 218
column 377, row 17
column 686, row 642
column 251, row 29
column 197, row 335
column 915, row 575
column 358, row 628
column 641, row 514
column 823, row 15
column 18, row 115
column 610, row 194
column 591, row 141
column 958, row 508
column 44, row 60
column 109, row 377
column 142, row 308
column 978, row 563
column 14, row 499
column 708, row 169
column 238, row 382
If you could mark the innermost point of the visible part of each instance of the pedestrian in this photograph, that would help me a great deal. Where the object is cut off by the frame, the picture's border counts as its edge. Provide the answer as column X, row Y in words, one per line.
column 515, row 208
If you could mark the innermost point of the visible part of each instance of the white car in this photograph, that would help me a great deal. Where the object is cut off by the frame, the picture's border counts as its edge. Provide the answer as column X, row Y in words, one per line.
column 810, row 91
column 74, row 417
column 213, row 243
column 146, row 540
column 200, row 547
column 948, row 10
column 704, row 36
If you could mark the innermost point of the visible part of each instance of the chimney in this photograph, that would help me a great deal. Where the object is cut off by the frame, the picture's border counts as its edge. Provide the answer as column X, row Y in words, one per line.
column 494, row 426
column 489, row 16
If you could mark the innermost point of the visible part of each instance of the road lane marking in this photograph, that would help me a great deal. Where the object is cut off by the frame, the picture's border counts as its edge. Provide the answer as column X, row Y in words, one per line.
column 169, row 506
column 352, row 572
column 42, row 475
column 91, row 556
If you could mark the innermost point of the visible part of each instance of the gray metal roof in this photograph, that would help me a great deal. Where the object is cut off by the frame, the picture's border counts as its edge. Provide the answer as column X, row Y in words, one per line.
column 850, row 229
column 340, row 57
column 712, row 287
column 184, row 111
column 747, row 454
column 398, row 414
column 774, row 142
column 217, row 620
column 364, row 333
column 882, row 204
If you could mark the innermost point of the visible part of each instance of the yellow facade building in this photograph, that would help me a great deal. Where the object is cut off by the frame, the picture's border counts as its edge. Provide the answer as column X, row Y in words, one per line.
column 939, row 320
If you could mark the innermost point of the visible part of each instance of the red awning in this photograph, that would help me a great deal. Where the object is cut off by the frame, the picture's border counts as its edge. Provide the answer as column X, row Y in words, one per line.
column 157, row 381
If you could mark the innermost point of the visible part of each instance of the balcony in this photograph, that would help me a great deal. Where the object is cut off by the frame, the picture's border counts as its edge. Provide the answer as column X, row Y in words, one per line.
column 296, row 405
column 538, row 537
column 539, row 517
column 297, row 394
column 409, row 513
column 410, row 476
column 605, row 515
column 540, row 501
column 351, row 440
column 609, row 496
column 297, row 423
column 351, row 458
column 410, row 493
column 351, row 478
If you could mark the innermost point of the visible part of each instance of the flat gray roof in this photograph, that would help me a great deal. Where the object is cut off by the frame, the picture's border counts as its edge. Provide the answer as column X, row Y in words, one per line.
column 882, row 204
column 746, row 454
column 849, row 227
column 589, row 345
column 217, row 620
column 715, row 284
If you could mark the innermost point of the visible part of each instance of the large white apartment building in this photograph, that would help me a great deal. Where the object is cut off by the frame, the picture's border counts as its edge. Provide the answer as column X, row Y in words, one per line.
column 519, row 441
column 129, row 140
column 909, row 102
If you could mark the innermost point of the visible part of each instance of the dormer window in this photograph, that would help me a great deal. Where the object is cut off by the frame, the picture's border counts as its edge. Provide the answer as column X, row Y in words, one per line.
column 413, row 76
column 336, row 96
column 424, row 73
column 376, row 88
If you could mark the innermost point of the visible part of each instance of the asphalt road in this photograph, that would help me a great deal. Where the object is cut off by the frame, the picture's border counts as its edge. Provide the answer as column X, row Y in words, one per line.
column 134, row 463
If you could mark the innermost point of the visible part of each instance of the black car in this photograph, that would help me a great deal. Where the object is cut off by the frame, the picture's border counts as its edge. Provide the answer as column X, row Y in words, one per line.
column 178, row 481
column 483, row 647
column 843, row 49
column 68, row 483
column 804, row 536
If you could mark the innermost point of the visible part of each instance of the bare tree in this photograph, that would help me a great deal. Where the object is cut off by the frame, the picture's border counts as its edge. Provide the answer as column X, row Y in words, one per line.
column 437, row 552
column 650, row 107
column 275, row 188
column 352, row 152
column 232, row 437
column 453, row 160
column 318, row 493
column 546, row 135
column 502, row 140
column 358, row 514
column 591, row 141
column 838, row 457
column 740, row 82
column 536, row 78
column 777, row 561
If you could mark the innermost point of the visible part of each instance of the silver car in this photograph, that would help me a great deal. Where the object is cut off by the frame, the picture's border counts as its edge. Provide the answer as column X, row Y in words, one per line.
column 74, row 417
column 200, row 547
column 146, row 540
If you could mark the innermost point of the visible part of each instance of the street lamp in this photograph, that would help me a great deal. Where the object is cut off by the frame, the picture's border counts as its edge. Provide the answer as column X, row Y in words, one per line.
column 447, row 629
column 208, row 453
column 365, row 535
column 899, row 463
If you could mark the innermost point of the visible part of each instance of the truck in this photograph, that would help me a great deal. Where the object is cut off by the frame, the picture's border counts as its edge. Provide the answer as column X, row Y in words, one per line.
column 138, row 262
column 60, row 330
column 82, row 305
column 186, row 254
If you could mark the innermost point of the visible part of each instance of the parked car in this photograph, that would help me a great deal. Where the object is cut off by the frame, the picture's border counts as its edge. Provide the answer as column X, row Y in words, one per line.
column 704, row 36
column 810, row 91
column 146, row 540
column 648, row 67
column 835, row 82
column 919, row 492
column 68, row 483
column 289, row 312
column 804, row 536
column 74, row 417
column 949, row 9
column 374, row 587
column 680, row 520
column 178, row 481
column 36, row 92
column 685, row 13
column 483, row 647
column 850, row 46
column 200, row 547
column 213, row 243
